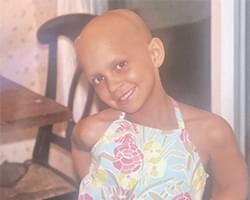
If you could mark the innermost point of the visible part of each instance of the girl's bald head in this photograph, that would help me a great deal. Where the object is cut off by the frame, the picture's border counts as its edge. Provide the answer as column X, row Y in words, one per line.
column 132, row 20
column 121, row 24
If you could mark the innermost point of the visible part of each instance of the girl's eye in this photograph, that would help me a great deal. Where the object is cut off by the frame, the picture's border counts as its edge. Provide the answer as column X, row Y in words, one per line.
column 97, row 80
column 120, row 65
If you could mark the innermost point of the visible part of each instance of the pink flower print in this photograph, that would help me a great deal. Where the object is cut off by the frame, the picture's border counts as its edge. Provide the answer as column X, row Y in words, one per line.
column 85, row 196
column 183, row 196
column 126, row 139
column 128, row 157
column 127, row 127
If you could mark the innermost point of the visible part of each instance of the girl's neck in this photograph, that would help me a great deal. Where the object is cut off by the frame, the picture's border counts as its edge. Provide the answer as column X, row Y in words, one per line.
column 158, row 113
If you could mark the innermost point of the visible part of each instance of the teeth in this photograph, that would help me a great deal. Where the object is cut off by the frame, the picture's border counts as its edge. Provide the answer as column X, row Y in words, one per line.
column 124, row 97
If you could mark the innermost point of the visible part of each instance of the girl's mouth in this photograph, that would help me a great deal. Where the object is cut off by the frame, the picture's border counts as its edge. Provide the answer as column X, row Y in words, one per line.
column 127, row 96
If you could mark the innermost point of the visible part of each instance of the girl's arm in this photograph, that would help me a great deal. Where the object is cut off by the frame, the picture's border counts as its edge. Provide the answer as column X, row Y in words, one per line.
column 229, row 169
column 81, row 147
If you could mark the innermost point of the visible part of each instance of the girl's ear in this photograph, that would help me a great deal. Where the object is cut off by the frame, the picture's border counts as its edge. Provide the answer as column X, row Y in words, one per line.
column 157, row 51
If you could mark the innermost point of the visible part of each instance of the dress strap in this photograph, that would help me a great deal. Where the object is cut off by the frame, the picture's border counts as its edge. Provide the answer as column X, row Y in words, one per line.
column 178, row 114
column 122, row 115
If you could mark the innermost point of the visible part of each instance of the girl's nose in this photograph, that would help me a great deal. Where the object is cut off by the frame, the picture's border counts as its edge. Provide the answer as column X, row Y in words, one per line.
column 114, row 84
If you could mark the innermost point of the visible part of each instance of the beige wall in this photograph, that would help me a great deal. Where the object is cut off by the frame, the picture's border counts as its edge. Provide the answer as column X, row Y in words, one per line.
column 21, row 57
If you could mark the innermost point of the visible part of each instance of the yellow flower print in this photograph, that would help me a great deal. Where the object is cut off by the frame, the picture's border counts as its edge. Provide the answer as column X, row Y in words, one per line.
column 99, row 178
column 155, row 170
column 152, row 151
column 154, row 164
column 199, row 178
column 128, row 181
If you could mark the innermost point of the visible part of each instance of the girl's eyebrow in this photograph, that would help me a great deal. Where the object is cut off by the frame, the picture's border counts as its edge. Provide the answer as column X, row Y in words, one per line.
column 92, row 76
column 110, row 64
column 117, row 61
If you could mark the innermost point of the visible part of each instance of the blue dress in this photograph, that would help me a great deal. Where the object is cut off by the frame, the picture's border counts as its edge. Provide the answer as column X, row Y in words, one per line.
column 134, row 162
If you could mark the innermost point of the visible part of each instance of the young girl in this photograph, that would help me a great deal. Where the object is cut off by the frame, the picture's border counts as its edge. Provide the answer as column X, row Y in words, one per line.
column 146, row 145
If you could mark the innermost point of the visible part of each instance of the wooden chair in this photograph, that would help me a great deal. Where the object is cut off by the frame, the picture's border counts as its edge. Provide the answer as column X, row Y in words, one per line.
column 42, row 181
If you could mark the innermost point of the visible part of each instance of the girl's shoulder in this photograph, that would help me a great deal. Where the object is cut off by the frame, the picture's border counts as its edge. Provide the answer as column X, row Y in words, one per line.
column 88, row 130
column 207, row 130
column 194, row 116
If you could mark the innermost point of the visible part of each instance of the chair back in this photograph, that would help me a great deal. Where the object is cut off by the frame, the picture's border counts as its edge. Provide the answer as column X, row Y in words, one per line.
column 69, row 26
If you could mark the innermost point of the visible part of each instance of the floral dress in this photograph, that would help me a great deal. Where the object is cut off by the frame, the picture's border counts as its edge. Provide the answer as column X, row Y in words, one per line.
column 134, row 162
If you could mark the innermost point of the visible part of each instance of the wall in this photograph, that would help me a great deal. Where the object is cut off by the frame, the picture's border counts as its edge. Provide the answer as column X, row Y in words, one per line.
column 167, row 13
column 22, row 58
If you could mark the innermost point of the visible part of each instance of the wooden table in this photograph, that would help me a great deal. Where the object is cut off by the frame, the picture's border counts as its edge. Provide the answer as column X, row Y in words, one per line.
column 21, row 108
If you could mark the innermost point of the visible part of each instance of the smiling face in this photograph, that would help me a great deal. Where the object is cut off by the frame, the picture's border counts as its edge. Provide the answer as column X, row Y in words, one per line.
column 118, row 56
